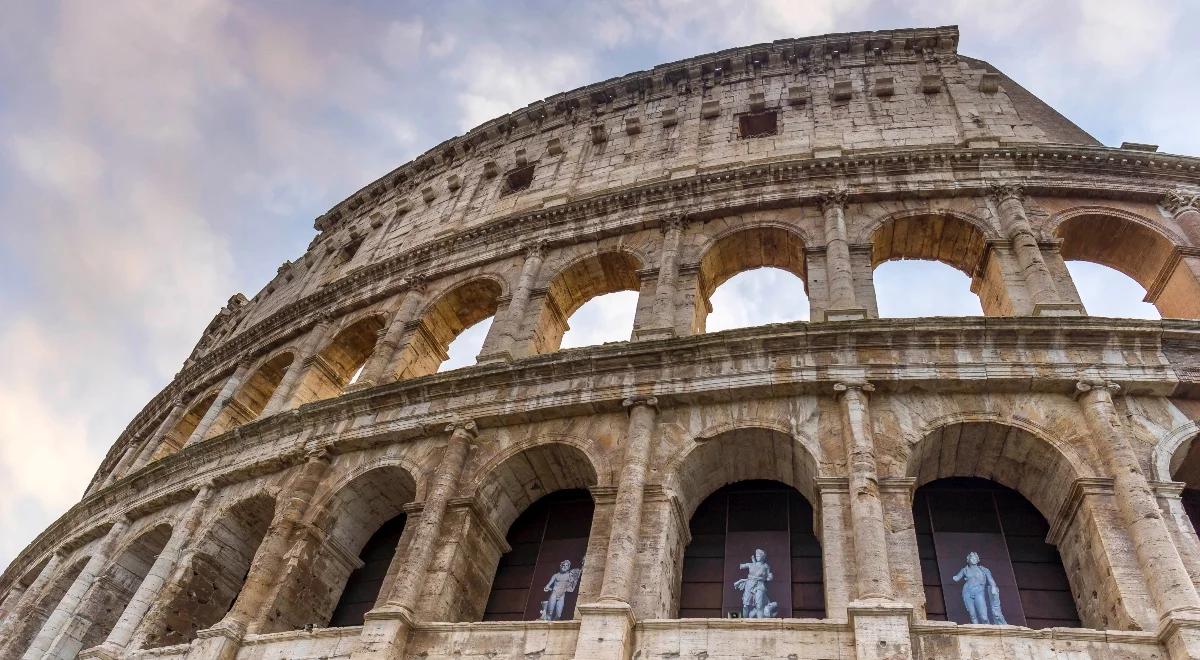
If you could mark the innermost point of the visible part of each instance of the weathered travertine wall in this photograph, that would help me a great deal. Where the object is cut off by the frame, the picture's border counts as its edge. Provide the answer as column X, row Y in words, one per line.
column 231, row 512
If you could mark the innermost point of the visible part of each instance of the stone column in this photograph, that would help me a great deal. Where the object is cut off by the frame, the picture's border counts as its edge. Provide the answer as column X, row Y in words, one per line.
column 607, row 625
column 164, row 566
column 178, row 410
column 1185, row 208
column 131, row 453
column 500, row 349
column 874, row 579
column 904, row 558
column 843, row 304
column 229, row 389
column 222, row 640
column 11, row 599
column 662, row 325
column 831, row 527
column 385, row 631
column 1168, row 580
column 26, row 602
column 375, row 372
column 291, row 378
column 1009, row 200
column 62, row 614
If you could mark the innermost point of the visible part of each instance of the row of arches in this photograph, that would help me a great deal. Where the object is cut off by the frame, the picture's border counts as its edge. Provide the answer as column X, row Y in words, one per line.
column 988, row 487
column 612, row 296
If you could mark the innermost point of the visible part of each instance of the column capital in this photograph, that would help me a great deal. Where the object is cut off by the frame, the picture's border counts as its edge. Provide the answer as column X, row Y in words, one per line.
column 1004, row 191
column 640, row 400
column 414, row 282
column 463, row 427
column 535, row 249
column 833, row 198
column 859, row 386
column 1180, row 201
column 1084, row 386
column 677, row 221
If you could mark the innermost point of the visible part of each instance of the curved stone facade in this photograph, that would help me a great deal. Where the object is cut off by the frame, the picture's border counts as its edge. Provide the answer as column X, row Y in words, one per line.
column 227, row 519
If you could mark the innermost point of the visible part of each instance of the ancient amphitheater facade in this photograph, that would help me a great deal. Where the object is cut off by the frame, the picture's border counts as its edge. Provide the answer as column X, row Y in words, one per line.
column 309, row 486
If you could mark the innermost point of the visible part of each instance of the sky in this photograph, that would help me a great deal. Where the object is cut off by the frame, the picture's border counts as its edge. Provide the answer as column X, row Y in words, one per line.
column 157, row 157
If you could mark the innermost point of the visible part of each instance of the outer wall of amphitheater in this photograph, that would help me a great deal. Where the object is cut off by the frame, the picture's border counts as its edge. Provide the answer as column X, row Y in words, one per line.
column 309, row 486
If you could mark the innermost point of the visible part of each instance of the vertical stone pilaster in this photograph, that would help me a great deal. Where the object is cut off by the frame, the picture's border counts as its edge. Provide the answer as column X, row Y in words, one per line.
column 1010, row 205
column 178, row 410
column 662, row 323
column 1170, row 502
column 513, row 321
column 606, row 626
column 291, row 378
column 874, row 578
column 230, row 388
column 1171, row 586
column 164, row 566
column 1184, row 207
column 903, row 556
column 839, row 272
column 385, row 631
column 44, row 642
column 836, row 545
column 375, row 371
column 222, row 640
column 9, row 625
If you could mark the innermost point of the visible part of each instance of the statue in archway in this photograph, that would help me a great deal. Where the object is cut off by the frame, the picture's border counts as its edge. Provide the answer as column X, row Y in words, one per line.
column 979, row 591
column 561, row 583
column 755, row 601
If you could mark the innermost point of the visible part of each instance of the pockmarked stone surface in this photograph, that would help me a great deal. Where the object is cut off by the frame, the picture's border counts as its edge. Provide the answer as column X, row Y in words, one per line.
column 310, row 486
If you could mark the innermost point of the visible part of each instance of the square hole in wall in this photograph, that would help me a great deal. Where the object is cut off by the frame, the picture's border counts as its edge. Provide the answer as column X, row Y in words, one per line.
column 517, row 179
column 758, row 124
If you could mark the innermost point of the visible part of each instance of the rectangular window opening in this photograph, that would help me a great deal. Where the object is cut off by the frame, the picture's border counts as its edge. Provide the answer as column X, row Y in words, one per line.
column 759, row 124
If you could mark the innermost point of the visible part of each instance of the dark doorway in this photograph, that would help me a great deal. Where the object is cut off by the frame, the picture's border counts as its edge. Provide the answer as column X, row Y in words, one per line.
column 727, row 530
column 957, row 516
column 552, row 531
column 363, row 585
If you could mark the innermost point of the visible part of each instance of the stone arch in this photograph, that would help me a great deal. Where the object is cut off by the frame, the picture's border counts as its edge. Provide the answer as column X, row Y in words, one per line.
column 214, row 573
column 508, row 484
column 743, row 248
column 22, row 633
column 340, row 360
column 177, row 437
column 1172, row 448
column 596, row 274
column 250, row 400
column 116, row 585
column 956, row 239
column 353, row 510
column 708, row 463
column 867, row 232
column 1143, row 250
column 458, row 307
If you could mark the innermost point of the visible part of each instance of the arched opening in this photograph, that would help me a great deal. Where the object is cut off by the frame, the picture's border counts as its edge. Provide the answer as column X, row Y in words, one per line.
column 539, row 577
column 1137, row 251
column 538, row 498
column 1106, row 291
column 984, row 557
column 362, row 524
column 339, row 363
column 248, row 403
column 717, row 488
column 772, row 249
column 604, row 273
column 24, row 631
column 601, row 320
column 454, row 312
column 929, row 248
column 214, row 575
column 177, row 437
column 1185, row 468
column 753, row 554
column 1006, row 482
column 116, row 586
column 464, row 349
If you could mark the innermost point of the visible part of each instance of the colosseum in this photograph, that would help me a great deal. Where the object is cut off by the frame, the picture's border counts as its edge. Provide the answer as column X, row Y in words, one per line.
column 1019, row 484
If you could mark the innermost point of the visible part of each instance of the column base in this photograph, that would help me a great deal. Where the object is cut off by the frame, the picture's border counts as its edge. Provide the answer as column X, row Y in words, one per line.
column 845, row 314
column 605, row 631
column 1058, row 309
column 385, row 634
column 650, row 334
column 221, row 642
column 881, row 629
column 102, row 652
column 1179, row 632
